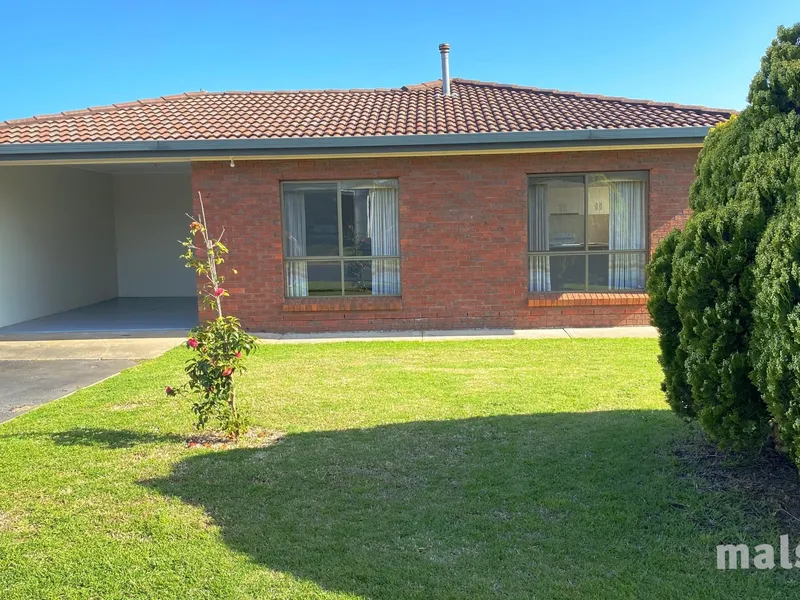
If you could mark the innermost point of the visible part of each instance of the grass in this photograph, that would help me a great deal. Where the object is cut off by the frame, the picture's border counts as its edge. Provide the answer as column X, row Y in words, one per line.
column 492, row 469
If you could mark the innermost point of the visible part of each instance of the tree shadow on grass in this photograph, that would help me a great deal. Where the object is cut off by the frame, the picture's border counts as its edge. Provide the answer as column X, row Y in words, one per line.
column 564, row 505
column 111, row 438
column 102, row 438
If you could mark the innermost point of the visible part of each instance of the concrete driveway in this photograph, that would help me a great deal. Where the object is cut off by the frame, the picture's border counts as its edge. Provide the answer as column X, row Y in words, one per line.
column 25, row 384
column 33, row 372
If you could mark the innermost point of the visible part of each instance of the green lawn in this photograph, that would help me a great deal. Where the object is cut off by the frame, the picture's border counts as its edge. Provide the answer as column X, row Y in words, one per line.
column 493, row 469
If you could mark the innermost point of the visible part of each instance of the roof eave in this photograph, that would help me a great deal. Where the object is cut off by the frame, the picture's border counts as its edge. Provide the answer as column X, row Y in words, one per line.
column 395, row 144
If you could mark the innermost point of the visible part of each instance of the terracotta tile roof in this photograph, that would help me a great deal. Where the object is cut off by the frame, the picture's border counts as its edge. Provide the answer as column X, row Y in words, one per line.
column 474, row 107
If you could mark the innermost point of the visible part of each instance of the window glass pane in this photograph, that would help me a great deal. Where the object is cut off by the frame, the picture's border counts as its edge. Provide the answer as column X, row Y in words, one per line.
column 370, row 219
column 367, row 184
column 598, row 273
column 556, row 214
column 567, row 273
column 355, row 238
column 353, row 218
column 372, row 277
column 386, row 277
column 622, row 176
column 296, row 278
column 539, row 279
column 597, row 217
column 311, row 221
column 626, row 271
column 616, row 271
column 325, row 278
column 616, row 219
column 358, row 278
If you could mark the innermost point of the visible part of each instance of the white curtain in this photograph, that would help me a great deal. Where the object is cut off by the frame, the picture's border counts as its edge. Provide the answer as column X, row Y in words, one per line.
column 626, row 231
column 539, row 234
column 383, row 231
column 296, row 270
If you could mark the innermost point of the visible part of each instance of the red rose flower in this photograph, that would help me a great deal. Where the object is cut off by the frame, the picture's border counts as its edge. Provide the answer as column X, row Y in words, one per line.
column 218, row 292
column 192, row 343
column 239, row 354
column 227, row 372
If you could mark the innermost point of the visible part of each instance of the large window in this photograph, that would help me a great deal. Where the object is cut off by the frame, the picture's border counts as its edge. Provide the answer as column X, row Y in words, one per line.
column 587, row 232
column 341, row 238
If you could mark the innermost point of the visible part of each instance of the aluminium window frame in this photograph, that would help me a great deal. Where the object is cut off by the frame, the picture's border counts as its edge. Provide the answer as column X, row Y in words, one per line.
column 586, row 252
column 340, row 258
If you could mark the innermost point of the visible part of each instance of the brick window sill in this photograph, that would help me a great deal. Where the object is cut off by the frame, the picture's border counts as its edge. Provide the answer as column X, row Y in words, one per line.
column 342, row 304
column 587, row 299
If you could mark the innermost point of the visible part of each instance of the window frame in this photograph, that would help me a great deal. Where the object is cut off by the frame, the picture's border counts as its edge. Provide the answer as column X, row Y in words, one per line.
column 530, row 177
column 340, row 227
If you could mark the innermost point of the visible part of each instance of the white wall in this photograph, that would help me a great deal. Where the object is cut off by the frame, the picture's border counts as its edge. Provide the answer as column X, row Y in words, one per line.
column 150, row 213
column 56, row 241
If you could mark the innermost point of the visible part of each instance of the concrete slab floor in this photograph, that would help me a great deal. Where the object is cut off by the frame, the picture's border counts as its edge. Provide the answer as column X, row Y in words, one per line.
column 117, row 315
column 27, row 384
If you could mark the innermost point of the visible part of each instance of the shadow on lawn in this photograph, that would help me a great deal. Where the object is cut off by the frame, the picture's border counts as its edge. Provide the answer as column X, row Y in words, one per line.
column 110, row 438
column 102, row 438
column 507, row 506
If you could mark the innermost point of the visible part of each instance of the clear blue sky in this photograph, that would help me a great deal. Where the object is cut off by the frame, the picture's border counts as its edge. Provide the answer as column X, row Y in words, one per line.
column 69, row 55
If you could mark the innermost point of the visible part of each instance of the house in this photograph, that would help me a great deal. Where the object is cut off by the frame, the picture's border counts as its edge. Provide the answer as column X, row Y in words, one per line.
column 448, row 204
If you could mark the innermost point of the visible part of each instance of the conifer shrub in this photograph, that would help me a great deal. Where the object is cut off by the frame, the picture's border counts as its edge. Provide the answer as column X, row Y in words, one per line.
column 775, row 351
column 665, row 317
column 712, row 291
column 724, row 292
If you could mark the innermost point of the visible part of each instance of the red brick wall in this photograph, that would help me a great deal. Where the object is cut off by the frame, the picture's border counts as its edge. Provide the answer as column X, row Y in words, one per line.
column 463, row 239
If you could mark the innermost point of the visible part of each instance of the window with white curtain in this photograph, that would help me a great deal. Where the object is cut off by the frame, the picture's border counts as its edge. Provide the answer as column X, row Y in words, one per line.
column 587, row 232
column 341, row 238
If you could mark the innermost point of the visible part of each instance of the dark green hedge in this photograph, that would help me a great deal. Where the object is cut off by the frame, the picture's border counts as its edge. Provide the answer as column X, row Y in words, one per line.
column 712, row 291
column 665, row 317
column 725, row 292
column 775, row 352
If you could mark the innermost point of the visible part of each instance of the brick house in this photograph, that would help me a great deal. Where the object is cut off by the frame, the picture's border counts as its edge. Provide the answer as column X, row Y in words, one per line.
column 431, row 206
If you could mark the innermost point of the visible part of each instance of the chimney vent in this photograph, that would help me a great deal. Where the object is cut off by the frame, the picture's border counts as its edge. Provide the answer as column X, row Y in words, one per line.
column 444, row 49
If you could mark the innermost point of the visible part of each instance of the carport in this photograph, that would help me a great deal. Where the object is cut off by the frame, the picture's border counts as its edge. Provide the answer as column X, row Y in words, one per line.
column 93, row 248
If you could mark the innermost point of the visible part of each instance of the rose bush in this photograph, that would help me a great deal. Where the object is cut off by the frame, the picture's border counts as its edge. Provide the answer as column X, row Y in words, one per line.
column 220, row 345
